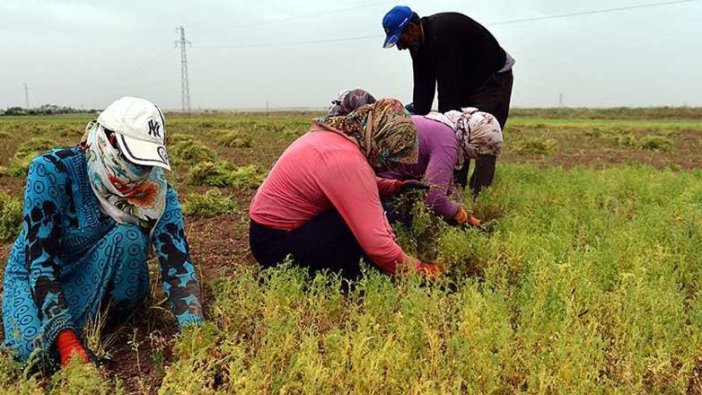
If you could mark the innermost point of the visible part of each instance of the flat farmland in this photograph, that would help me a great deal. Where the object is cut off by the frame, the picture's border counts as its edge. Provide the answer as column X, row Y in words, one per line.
column 588, row 280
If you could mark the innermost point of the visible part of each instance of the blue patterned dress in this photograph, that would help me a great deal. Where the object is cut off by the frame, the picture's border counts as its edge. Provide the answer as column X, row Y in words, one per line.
column 70, row 258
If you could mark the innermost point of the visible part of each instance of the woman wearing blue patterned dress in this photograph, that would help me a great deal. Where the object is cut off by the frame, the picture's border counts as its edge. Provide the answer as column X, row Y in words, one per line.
column 91, row 214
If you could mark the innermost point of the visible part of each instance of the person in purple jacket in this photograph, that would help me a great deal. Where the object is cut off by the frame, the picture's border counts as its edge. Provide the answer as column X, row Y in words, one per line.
column 439, row 154
column 446, row 141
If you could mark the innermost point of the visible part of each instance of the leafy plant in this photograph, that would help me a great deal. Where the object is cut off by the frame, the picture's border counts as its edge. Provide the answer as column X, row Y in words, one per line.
column 191, row 152
column 19, row 164
column 80, row 378
column 211, row 204
column 234, row 139
column 223, row 173
column 656, row 143
column 536, row 146
column 10, row 217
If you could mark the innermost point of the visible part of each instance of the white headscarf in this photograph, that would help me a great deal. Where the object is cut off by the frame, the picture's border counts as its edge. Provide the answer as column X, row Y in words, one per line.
column 477, row 132
column 128, row 193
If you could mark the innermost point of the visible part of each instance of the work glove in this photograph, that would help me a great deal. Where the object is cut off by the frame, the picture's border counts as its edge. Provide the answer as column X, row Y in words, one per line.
column 463, row 218
column 412, row 185
column 69, row 346
column 430, row 271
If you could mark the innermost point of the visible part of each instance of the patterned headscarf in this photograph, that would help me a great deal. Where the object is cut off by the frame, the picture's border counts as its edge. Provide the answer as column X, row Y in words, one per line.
column 349, row 101
column 384, row 130
column 127, row 192
column 477, row 132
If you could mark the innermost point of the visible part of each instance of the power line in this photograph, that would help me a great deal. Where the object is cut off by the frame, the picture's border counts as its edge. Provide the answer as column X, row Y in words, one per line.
column 507, row 22
column 591, row 12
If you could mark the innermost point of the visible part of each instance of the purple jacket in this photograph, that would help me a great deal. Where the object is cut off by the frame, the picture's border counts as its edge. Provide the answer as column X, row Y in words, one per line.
column 438, row 155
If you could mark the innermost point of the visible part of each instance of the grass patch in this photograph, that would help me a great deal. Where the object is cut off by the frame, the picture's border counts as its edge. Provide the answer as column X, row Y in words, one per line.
column 536, row 146
column 656, row 143
column 191, row 152
column 234, row 139
column 19, row 163
column 224, row 174
column 211, row 204
column 652, row 143
column 10, row 217
column 79, row 378
column 588, row 283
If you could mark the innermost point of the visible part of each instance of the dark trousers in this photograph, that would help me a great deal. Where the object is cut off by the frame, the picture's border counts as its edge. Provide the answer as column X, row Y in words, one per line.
column 493, row 97
column 325, row 242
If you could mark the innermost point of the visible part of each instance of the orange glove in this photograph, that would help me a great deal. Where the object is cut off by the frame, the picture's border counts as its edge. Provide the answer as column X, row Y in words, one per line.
column 430, row 271
column 461, row 216
column 473, row 221
column 68, row 346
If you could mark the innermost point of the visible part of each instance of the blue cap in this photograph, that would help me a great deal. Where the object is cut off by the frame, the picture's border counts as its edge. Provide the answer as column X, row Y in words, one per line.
column 394, row 23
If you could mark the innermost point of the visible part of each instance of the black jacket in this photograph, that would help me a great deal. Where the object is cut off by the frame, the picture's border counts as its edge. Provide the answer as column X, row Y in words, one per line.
column 459, row 55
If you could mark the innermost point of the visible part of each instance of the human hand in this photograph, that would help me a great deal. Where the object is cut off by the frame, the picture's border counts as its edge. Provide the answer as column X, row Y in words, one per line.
column 412, row 185
column 430, row 271
column 461, row 216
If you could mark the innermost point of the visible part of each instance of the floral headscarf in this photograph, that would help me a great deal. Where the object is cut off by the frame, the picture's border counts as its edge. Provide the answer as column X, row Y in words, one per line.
column 477, row 132
column 349, row 101
column 127, row 192
column 384, row 130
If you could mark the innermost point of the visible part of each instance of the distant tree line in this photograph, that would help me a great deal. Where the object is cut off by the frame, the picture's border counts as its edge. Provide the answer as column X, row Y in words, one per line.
column 46, row 109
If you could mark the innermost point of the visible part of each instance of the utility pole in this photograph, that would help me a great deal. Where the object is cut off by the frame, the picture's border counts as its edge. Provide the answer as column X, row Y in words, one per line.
column 26, row 96
column 560, row 100
column 184, row 83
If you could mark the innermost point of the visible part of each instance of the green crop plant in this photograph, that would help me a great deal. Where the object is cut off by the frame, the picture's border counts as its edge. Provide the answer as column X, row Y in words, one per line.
column 191, row 152
column 210, row 173
column 234, row 139
column 80, row 378
column 10, row 217
column 587, row 280
column 656, row 143
column 224, row 174
column 536, row 146
column 97, row 341
column 209, row 205
column 19, row 163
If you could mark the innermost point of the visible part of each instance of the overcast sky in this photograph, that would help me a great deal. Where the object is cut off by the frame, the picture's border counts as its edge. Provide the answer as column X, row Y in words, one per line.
column 246, row 54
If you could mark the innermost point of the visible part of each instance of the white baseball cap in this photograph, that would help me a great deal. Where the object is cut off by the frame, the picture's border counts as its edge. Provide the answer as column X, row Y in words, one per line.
column 140, row 129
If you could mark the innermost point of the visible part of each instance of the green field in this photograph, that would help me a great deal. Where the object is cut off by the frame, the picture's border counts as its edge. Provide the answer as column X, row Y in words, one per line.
column 588, row 282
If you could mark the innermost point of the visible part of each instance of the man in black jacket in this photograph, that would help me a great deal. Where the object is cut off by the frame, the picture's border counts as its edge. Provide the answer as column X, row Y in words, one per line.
column 461, row 58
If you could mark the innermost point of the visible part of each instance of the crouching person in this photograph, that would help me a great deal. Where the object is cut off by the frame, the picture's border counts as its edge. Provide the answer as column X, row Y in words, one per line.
column 91, row 214
column 321, row 205
column 444, row 144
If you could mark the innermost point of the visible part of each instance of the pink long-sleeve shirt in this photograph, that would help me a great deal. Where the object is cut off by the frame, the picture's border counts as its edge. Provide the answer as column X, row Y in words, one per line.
column 323, row 170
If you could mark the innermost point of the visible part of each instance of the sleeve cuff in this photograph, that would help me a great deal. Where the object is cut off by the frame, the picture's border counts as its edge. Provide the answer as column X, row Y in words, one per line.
column 187, row 319
column 51, row 330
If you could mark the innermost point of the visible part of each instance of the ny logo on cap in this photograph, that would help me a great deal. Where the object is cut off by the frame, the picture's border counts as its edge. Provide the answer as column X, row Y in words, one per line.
column 154, row 128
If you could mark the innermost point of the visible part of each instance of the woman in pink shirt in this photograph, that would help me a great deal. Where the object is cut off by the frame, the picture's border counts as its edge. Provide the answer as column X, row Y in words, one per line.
column 320, row 204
